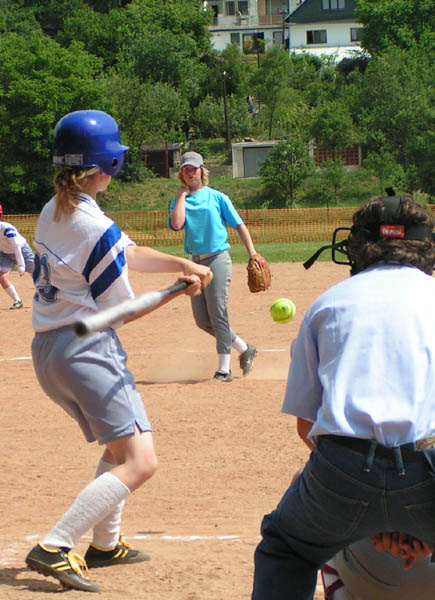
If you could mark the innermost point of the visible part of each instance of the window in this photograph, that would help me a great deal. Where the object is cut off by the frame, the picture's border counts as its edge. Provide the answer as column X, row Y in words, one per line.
column 277, row 37
column 243, row 7
column 253, row 43
column 229, row 8
column 235, row 38
column 355, row 34
column 333, row 4
column 316, row 36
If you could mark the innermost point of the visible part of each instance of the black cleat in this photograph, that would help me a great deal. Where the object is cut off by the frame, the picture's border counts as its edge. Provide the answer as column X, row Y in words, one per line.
column 122, row 554
column 246, row 359
column 65, row 566
column 225, row 377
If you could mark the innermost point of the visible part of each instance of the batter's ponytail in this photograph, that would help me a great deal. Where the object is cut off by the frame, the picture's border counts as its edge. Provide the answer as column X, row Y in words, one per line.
column 68, row 183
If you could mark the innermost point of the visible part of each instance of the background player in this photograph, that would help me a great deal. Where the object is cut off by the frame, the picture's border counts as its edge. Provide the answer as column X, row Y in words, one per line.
column 81, row 265
column 14, row 250
column 204, row 214
column 361, row 384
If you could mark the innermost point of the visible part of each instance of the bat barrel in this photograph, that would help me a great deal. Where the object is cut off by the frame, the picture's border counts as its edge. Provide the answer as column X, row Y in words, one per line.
column 109, row 316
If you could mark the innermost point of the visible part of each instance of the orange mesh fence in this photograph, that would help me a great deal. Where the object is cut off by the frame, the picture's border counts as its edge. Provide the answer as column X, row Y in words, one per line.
column 150, row 228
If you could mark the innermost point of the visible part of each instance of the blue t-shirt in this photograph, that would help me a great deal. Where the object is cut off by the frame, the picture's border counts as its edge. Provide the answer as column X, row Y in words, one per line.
column 208, row 213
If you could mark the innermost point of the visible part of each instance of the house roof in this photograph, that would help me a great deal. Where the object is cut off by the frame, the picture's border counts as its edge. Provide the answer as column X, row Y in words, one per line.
column 311, row 11
column 160, row 147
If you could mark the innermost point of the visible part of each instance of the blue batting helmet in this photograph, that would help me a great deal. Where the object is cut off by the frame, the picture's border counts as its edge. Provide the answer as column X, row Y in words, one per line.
column 88, row 138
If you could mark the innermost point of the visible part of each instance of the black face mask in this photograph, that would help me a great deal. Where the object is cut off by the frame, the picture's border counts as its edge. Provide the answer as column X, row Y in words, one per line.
column 388, row 229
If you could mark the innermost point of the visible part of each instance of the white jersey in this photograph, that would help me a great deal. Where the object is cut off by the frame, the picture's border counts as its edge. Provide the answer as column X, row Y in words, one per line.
column 80, row 265
column 11, row 241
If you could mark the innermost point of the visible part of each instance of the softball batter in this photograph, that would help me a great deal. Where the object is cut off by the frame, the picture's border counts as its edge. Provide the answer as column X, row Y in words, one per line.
column 81, row 265
column 14, row 250
column 204, row 214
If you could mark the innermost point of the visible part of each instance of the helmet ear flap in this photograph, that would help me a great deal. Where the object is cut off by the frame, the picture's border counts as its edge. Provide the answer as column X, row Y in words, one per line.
column 88, row 138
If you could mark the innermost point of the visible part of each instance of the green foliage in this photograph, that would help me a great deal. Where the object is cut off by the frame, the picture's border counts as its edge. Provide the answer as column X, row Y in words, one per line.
column 147, row 113
column 102, row 33
column 209, row 117
column 332, row 126
column 355, row 187
column 285, row 168
column 333, row 182
column 271, row 83
column 386, row 170
column 232, row 61
column 396, row 22
column 393, row 106
column 39, row 83
column 150, row 63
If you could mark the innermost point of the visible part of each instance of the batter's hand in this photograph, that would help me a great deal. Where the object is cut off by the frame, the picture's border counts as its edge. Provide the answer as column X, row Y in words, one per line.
column 202, row 271
column 194, row 288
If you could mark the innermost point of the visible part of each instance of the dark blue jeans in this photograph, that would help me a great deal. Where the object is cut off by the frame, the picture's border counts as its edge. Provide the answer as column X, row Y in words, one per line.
column 334, row 502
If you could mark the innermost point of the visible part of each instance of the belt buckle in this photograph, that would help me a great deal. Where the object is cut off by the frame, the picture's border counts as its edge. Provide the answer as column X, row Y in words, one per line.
column 425, row 443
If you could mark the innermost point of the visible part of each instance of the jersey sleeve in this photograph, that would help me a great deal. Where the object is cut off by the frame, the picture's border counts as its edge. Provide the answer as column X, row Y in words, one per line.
column 228, row 211
column 13, row 238
column 106, row 269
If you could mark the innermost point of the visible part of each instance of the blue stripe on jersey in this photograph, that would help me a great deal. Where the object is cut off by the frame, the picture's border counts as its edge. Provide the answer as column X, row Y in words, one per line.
column 101, row 248
column 108, row 276
column 9, row 232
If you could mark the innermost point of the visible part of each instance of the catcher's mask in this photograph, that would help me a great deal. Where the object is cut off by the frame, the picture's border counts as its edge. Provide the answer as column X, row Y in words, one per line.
column 388, row 228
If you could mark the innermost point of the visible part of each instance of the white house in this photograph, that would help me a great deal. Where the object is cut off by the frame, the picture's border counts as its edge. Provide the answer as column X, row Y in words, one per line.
column 324, row 27
column 243, row 22
column 315, row 26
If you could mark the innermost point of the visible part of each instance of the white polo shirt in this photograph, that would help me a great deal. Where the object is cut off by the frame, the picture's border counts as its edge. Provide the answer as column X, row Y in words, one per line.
column 363, row 363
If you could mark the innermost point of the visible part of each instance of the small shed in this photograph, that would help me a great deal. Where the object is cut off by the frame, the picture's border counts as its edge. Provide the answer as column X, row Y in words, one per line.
column 248, row 157
column 162, row 159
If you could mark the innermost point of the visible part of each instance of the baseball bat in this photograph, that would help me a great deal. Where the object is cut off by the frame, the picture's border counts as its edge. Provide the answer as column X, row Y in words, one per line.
column 105, row 318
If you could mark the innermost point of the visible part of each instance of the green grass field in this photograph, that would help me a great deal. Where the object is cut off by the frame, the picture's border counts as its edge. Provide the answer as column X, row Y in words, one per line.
column 296, row 252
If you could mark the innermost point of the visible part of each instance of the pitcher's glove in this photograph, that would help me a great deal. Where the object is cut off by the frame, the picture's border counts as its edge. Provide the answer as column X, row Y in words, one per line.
column 259, row 276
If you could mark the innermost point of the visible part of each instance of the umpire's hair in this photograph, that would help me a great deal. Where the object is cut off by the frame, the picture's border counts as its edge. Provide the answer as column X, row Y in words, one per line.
column 204, row 176
column 363, row 251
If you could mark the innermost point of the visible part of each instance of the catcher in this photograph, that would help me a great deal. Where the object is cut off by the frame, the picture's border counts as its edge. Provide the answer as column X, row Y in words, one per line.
column 204, row 214
column 362, row 388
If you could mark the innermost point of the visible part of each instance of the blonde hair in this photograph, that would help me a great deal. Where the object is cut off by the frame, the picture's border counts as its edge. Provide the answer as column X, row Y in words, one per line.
column 204, row 176
column 68, row 183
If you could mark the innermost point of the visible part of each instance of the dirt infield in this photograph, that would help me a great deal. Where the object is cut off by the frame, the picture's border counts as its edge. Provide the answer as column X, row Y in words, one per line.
column 226, row 453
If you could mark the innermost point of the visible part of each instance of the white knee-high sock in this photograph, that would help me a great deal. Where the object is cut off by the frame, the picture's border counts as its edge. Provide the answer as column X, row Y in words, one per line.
column 106, row 532
column 12, row 292
column 240, row 345
column 224, row 363
column 92, row 505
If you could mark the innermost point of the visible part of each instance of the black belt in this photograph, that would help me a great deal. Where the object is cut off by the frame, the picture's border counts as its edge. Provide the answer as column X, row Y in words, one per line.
column 363, row 446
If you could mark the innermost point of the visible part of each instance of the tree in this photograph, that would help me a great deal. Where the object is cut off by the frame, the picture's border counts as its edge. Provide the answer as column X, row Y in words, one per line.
column 271, row 83
column 393, row 105
column 332, row 127
column 396, row 22
column 147, row 112
column 333, row 179
column 209, row 121
column 39, row 83
column 239, row 72
column 285, row 168
column 385, row 169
